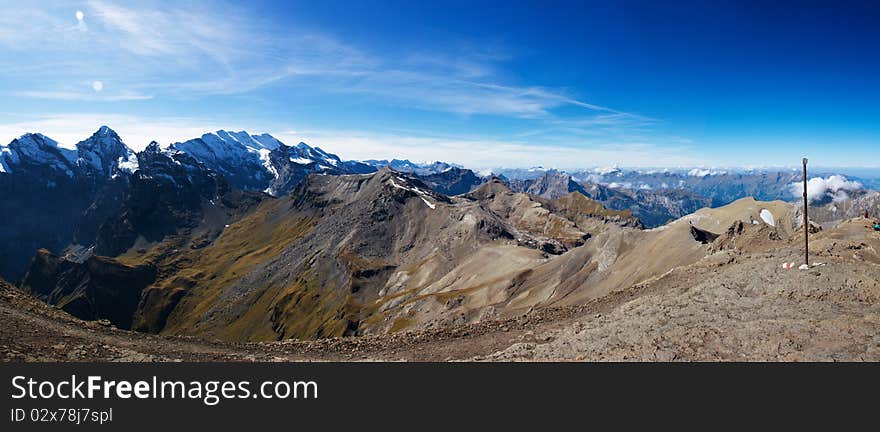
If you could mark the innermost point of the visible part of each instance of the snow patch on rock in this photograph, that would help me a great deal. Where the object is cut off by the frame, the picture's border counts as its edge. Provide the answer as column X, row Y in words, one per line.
column 767, row 217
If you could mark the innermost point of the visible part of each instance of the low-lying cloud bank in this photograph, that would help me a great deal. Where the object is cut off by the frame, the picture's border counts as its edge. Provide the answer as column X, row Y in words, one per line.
column 818, row 188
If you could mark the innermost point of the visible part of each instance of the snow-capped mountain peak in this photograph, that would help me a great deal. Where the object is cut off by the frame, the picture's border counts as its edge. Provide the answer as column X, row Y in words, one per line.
column 224, row 145
column 237, row 155
column 39, row 150
column 262, row 162
column 153, row 147
column 253, row 143
column 104, row 153
column 317, row 155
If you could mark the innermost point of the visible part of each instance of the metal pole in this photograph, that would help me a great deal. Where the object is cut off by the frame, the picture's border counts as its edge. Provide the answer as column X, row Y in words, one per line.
column 806, row 220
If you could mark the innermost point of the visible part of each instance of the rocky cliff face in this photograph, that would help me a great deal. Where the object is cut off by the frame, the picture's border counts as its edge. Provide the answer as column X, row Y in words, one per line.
column 311, row 264
column 98, row 288
column 855, row 205
column 452, row 181
column 590, row 215
column 550, row 185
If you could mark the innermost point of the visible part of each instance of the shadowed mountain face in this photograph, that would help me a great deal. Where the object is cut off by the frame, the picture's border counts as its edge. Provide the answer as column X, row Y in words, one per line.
column 97, row 288
column 652, row 207
column 170, row 192
column 590, row 214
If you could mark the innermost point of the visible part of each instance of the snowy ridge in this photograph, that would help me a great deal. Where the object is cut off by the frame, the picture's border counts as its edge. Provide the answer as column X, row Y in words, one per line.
column 701, row 172
column 421, row 193
column 253, row 143
column 262, row 162
column 407, row 166
column 250, row 162
column 37, row 149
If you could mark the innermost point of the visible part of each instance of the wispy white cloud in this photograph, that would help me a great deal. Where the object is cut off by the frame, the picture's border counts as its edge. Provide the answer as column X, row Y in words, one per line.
column 84, row 96
column 607, row 119
column 141, row 31
column 431, row 90
column 177, row 50
column 487, row 152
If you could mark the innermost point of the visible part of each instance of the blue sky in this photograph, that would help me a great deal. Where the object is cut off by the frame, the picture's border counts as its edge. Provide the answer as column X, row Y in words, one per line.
column 485, row 84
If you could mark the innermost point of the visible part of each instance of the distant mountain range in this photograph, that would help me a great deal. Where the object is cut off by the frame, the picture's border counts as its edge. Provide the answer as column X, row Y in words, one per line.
column 409, row 167
column 721, row 186
column 653, row 208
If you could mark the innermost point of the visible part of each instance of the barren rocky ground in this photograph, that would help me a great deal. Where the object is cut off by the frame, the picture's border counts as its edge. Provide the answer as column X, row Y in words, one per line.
column 34, row 331
column 730, row 306
column 746, row 311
